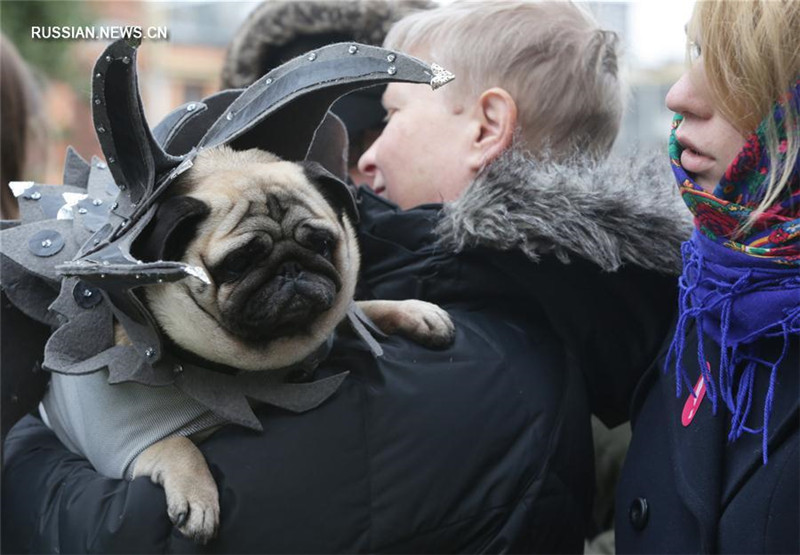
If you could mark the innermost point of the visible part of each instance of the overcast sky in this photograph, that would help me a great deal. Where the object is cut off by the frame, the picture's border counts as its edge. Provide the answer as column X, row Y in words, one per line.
column 657, row 30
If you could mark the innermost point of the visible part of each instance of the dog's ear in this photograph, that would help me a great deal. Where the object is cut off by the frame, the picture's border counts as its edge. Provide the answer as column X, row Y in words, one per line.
column 172, row 229
column 338, row 193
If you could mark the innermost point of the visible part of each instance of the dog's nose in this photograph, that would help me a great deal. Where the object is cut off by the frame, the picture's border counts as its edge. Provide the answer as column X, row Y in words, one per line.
column 290, row 270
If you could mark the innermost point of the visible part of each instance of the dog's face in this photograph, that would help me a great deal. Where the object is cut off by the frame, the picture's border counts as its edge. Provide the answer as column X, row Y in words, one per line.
column 282, row 259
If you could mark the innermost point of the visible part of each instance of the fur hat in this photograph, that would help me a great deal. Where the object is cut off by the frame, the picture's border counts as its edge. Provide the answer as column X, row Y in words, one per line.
column 277, row 31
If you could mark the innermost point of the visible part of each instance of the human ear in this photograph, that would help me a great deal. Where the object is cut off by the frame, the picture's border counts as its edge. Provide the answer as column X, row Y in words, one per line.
column 497, row 118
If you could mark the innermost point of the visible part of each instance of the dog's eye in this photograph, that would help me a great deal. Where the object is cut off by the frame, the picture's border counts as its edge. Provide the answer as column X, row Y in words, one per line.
column 237, row 262
column 321, row 242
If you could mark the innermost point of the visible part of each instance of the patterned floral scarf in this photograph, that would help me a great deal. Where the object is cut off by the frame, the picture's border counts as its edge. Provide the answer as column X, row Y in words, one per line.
column 740, row 287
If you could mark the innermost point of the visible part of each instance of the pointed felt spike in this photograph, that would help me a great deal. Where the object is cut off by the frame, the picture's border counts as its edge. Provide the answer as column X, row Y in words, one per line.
column 222, row 393
column 132, row 154
column 76, row 169
column 295, row 397
column 181, row 130
column 329, row 146
column 296, row 96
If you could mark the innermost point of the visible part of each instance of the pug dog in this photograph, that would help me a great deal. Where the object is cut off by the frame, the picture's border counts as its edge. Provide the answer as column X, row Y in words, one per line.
column 277, row 241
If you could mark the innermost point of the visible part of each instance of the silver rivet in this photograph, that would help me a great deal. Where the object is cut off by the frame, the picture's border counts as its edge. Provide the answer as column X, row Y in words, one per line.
column 268, row 81
column 108, row 58
column 391, row 57
column 111, row 159
column 178, row 369
column 101, row 129
column 114, row 206
column 104, row 263
column 82, row 211
column 312, row 56
column 97, row 100
column 191, row 107
column 138, row 276
column 123, row 224
column 87, row 292
column 97, row 202
column 353, row 49
column 102, row 276
column 159, row 280
column 101, row 165
column 98, row 75
column 122, row 186
column 47, row 243
column 36, row 195
column 126, row 60
column 150, row 352
column 229, row 117
column 96, row 241
column 392, row 70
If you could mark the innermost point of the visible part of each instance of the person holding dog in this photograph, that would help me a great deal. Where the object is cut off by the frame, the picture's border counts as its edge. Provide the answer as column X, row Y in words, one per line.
column 713, row 463
column 556, row 269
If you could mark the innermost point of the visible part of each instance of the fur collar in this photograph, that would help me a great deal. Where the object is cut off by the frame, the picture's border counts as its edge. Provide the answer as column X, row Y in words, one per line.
column 622, row 211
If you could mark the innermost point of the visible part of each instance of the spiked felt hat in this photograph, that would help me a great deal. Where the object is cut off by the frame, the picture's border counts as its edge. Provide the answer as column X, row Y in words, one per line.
column 74, row 240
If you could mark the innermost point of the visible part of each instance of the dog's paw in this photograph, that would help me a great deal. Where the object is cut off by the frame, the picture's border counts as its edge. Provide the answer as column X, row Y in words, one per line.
column 192, row 497
column 193, row 506
column 425, row 323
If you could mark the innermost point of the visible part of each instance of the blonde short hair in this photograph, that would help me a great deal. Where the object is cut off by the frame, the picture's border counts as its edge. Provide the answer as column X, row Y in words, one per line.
column 751, row 57
column 551, row 57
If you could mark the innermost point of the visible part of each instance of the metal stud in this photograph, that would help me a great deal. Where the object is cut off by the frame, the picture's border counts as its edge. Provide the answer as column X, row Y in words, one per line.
column 82, row 211
column 114, row 206
column 97, row 202
column 392, row 70
column 36, row 195
column 108, row 59
column 46, row 242
column 111, row 159
column 229, row 116
column 150, row 352
column 178, row 369
column 102, row 276
column 87, row 293
column 353, row 49
column 101, row 129
column 312, row 56
column 391, row 57
column 98, row 75
column 101, row 165
column 97, row 100
column 126, row 60
column 268, row 81
column 191, row 107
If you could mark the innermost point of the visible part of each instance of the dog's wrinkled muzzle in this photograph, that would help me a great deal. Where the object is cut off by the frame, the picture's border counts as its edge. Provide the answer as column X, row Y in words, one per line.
column 286, row 301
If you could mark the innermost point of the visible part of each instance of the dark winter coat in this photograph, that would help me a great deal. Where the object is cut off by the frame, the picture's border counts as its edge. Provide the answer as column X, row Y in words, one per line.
column 482, row 447
column 685, row 489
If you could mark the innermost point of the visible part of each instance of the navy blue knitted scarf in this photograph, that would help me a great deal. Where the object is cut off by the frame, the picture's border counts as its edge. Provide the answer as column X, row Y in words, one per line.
column 735, row 300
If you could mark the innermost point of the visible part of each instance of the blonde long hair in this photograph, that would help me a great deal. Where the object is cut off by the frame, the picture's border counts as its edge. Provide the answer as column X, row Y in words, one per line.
column 751, row 55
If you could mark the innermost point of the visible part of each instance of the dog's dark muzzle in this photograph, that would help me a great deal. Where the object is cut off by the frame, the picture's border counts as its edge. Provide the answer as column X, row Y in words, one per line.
column 283, row 298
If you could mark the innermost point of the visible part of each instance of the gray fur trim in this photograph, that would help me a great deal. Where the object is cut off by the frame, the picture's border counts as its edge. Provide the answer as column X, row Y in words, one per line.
column 276, row 23
column 623, row 211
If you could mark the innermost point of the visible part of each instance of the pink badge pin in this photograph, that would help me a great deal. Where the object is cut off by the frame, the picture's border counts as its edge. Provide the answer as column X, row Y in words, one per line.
column 694, row 400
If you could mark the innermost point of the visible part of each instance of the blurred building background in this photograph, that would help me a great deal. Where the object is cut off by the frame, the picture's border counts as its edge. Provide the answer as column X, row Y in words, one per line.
column 187, row 66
